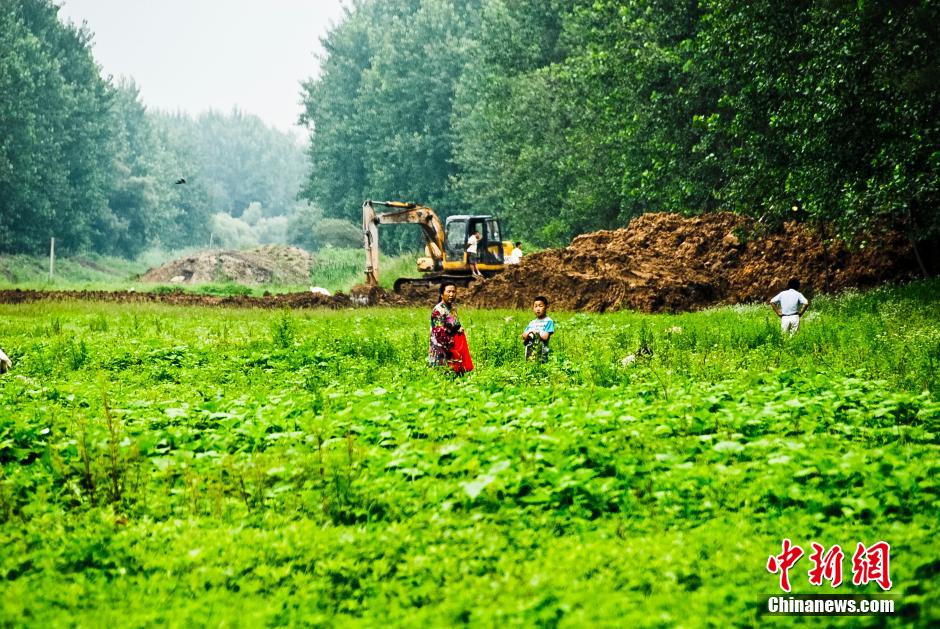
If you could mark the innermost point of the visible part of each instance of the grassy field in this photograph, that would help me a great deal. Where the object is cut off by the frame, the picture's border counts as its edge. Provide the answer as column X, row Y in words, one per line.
column 193, row 467
column 333, row 269
column 79, row 271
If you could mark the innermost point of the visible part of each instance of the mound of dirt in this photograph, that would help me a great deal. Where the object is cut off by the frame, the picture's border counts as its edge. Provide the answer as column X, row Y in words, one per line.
column 668, row 263
column 269, row 264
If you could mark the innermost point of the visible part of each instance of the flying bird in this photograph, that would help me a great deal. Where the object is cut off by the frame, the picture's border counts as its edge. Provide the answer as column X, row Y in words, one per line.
column 181, row 180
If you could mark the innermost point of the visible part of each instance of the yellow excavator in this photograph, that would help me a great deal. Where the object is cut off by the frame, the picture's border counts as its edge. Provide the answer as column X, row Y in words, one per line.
column 445, row 243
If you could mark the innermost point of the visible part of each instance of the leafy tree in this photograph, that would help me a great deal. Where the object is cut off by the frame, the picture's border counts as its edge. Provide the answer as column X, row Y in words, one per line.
column 335, row 232
column 141, row 199
column 83, row 161
column 230, row 163
column 380, row 113
column 301, row 223
column 247, row 161
column 690, row 107
column 188, row 223
column 56, row 152
column 232, row 232
column 828, row 108
column 559, row 116
column 511, row 118
column 338, row 181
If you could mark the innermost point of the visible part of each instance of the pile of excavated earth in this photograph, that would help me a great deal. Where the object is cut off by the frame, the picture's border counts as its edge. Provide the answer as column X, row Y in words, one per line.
column 268, row 264
column 669, row 263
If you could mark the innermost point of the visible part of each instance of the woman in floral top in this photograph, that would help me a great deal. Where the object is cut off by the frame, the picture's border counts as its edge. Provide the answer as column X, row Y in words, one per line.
column 448, row 346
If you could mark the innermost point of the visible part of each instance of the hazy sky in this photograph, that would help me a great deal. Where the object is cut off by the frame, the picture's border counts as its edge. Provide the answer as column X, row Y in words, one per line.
column 195, row 55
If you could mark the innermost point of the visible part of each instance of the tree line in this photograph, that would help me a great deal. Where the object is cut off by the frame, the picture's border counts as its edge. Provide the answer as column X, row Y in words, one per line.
column 565, row 116
column 82, row 159
column 559, row 116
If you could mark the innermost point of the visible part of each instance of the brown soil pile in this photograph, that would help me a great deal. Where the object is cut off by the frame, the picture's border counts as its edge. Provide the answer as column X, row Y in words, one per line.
column 269, row 264
column 668, row 263
column 659, row 263
column 361, row 295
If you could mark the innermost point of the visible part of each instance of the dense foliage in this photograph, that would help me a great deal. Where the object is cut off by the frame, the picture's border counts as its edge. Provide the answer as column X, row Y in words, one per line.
column 561, row 116
column 83, row 161
column 307, row 468
column 572, row 115
column 55, row 117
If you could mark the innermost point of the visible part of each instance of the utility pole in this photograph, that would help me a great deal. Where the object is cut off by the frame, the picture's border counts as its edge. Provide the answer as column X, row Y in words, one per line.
column 51, row 257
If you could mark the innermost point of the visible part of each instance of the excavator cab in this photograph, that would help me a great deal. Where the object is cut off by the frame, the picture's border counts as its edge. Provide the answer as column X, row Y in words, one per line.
column 458, row 231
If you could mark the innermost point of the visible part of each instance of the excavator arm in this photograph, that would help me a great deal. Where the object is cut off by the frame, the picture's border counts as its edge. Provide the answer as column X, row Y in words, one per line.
column 430, row 224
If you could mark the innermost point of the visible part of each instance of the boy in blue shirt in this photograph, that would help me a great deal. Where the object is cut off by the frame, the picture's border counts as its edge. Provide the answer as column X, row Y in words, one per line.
column 540, row 329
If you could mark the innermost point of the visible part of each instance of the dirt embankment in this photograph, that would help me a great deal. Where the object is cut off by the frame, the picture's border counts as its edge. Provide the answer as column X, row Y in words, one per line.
column 179, row 298
column 359, row 296
column 667, row 263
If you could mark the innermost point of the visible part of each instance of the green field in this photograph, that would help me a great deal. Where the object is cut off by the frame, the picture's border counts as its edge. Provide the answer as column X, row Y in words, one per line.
column 193, row 467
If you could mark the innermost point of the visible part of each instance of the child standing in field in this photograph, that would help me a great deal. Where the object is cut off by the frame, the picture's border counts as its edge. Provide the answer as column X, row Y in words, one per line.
column 536, row 335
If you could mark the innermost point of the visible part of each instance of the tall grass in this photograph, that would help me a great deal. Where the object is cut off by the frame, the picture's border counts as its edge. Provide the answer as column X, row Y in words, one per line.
column 341, row 269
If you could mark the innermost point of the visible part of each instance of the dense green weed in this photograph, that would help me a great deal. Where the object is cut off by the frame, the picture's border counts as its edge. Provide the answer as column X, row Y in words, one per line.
column 308, row 468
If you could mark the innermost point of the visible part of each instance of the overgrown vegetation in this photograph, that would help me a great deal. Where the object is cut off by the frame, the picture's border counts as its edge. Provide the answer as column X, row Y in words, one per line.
column 88, row 270
column 285, row 467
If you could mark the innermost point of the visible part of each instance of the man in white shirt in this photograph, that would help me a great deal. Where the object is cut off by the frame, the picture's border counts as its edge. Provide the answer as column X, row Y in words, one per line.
column 515, row 256
column 790, row 306
column 473, row 256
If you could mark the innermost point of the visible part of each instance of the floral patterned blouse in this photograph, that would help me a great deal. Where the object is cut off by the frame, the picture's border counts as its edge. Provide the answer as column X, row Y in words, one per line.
column 444, row 326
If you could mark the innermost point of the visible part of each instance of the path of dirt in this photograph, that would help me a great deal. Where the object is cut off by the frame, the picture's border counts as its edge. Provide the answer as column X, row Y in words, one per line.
column 359, row 296
column 179, row 298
